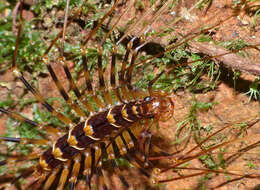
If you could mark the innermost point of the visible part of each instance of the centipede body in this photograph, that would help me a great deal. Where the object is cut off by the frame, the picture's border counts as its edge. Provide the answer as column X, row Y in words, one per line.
column 115, row 130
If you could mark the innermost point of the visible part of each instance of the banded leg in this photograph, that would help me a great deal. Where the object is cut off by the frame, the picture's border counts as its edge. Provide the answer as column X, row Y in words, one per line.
column 19, row 75
column 88, row 166
column 113, row 152
column 122, row 81
column 75, row 172
column 113, row 61
column 129, row 145
column 88, row 83
column 125, row 75
column 74, row 88
column 84, row 59
column 123, row 145
column 107, row 96
column 19, row 158
column 138, row 154
column 129, row 70
column 39, row 97
column 64, row 175
column 51, row 178
column 16, row 116
column 25, row 140
column 98, row 165
column 12, row 180
column 145, row 146
column 93, row 164
column 72, row 84
column 113, row 77
column 61, row 89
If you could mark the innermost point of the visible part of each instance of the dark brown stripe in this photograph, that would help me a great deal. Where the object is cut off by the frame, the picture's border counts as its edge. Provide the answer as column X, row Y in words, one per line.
column 100, row 72
column 122, row 72
column 31, row 89
column 11, row 139
column 85, row 66
column 100, row 125
column 33, row 123
column 74, row 88
column 67, row 151
column 130, row 112
column 115, row 147
column 124, row 141
column 134, row 139
column 78, row 132
column 116, row 111
column 93, row 159
column 84, row 141
column 55, row 79
column 50, row 160
column 112, row 75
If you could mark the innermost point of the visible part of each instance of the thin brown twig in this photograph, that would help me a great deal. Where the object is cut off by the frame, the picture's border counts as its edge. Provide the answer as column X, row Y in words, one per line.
column 14, row 15
column 229, row 59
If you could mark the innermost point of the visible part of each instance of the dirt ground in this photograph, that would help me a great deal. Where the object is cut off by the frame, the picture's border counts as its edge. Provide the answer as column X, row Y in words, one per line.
column 231, row 106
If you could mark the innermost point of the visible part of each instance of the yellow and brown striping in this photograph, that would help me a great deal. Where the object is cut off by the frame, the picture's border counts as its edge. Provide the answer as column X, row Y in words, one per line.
column 114, row 121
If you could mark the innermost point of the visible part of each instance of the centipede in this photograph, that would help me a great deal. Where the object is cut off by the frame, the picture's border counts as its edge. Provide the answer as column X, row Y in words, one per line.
column 120, row 94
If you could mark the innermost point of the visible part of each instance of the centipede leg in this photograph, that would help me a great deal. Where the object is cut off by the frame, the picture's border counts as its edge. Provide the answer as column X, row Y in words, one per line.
column 36, row 94
column 51, row 178
column 64, row 176
column 112, row 75
column 75, row 172
column 112, row 152
column 25, row 140
column 84, row 60
column 88, row 163
column 16, row 116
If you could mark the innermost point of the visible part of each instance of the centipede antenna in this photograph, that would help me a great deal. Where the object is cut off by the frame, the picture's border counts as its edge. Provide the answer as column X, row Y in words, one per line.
column 205, row 151
column 213, row 134
column 206, row 171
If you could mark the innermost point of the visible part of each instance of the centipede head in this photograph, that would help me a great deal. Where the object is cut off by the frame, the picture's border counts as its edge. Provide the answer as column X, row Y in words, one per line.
column 160, row 105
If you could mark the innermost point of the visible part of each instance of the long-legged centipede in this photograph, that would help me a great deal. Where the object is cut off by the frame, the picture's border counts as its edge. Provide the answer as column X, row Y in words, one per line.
column 114, row 121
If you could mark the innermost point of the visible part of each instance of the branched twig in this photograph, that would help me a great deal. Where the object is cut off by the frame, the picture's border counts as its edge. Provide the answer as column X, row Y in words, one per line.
column 229, row 59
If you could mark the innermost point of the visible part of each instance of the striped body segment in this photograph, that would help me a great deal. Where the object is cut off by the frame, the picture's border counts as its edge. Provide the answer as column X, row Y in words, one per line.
column 97, row 128
column 113, row 132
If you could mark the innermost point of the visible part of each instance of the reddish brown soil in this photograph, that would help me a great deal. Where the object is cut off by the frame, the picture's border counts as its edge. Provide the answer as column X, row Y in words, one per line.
column 232, row 104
